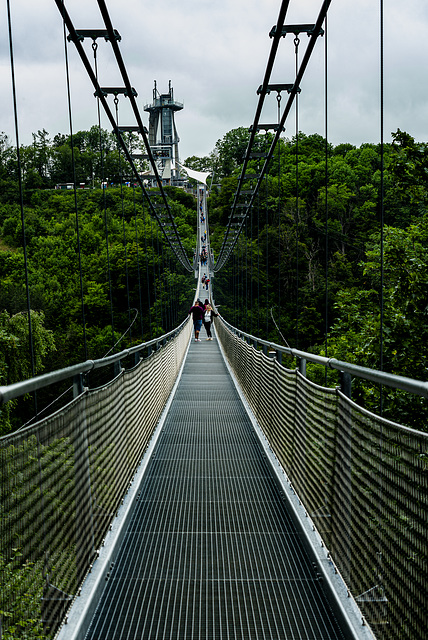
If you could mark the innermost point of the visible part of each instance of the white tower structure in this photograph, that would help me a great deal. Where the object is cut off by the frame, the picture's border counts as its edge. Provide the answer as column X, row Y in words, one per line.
column 163, row 137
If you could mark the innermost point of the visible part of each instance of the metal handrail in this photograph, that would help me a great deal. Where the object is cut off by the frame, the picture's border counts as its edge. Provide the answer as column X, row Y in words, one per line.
column 11, row 391
column 417, row 387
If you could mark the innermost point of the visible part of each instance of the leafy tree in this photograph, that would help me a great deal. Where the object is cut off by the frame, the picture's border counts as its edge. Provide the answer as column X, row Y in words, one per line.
column 16, row 578
column 15, row 353
column 231, row 150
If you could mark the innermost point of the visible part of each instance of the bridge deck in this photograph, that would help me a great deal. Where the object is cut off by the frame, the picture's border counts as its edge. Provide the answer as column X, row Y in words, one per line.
column 211, row 551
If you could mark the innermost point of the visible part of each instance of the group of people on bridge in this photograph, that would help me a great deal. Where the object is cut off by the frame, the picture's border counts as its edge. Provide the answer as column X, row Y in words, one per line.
column 204, row 256
column 205, row 281
column 202, row 313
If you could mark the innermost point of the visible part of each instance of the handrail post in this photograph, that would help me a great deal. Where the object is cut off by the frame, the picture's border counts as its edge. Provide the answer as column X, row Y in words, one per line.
column 302, row 366
column 278, row 355
column 346, row 383
column 77, row 387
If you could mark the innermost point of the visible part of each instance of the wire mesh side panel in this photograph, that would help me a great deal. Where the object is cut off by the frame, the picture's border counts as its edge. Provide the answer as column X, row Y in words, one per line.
column 363, row 480
column 380, row 510
column 311, row 469
column 62, row 481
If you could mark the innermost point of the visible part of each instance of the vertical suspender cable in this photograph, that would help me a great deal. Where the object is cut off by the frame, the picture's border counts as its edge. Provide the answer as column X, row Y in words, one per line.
column 104, row 185
column 380, row 500
column 381, row 193
column 296, row 44
column 169, row 294
column 76, row 209
column 326, row 186
column 258, row 261
column 116, row 103
column 278, row 97
column 251, row 270
column 246, row 273
column 166, row 285
column 137, row 242
column 154, row 268
column 241, row 275
column 159, row 277
column 235, row 287
column 238, row 279
column 18, row 155
column 147, row 271
column 267, row 259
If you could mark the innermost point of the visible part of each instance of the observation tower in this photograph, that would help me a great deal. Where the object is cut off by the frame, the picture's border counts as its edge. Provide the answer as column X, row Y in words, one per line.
column 163, row 137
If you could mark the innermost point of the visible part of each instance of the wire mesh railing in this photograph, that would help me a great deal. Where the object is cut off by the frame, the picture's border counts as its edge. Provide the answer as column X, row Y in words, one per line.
column 363, row 481
column 62, row 481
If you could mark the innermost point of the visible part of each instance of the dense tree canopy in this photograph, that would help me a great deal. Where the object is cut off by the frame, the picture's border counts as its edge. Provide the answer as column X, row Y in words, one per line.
column 306, row 269
column 311, row 259
column 100, row 273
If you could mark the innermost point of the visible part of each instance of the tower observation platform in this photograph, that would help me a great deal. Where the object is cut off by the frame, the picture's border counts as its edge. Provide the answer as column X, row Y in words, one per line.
column 163, row 136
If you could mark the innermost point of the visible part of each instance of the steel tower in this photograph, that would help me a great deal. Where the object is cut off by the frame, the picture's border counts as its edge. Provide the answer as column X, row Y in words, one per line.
column 163, row 137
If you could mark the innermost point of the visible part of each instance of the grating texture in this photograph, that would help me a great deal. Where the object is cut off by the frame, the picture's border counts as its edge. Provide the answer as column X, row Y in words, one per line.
column 362, row 479
column 211, row 551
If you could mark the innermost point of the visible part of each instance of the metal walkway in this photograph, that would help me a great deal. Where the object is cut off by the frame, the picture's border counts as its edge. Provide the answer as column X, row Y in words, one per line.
column 211, row 551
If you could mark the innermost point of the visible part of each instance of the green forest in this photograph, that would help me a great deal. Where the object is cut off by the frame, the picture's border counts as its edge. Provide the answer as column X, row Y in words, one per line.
column 312, row 268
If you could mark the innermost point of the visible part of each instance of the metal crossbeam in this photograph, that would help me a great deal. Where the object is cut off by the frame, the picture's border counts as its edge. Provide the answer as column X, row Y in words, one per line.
column 104, row 91
column 276, row 87
column 81, row 34
column 296, row 29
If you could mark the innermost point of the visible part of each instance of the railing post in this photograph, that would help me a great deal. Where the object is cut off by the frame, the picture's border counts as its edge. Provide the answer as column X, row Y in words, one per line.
column 346, row 383
column 302, row 366
column 77, row 390
column 265, row 349
column 279, row 356
column 117, row 368
column 137, row 358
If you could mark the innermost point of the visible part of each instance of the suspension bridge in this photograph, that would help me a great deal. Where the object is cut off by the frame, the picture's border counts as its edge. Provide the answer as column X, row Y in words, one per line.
column 209, row 489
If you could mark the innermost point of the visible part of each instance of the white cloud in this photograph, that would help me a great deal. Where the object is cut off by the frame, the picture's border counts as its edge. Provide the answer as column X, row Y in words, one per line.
column 215, row 54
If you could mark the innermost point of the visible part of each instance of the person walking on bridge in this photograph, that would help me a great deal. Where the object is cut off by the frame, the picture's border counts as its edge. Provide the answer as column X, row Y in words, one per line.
column 209, row 315
column 197, row 312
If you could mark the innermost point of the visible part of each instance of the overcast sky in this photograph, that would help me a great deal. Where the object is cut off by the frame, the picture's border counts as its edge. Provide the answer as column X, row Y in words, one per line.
column 215, row 54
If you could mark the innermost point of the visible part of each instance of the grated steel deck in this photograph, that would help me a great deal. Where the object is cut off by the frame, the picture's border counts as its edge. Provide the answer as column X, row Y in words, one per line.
column 211, row 552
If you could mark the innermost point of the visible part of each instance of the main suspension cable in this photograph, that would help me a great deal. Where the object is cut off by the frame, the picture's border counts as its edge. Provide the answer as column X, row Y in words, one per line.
column 276, row 33
column 175, row 240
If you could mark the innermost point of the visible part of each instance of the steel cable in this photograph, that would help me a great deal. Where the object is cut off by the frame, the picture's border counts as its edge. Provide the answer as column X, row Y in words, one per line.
column 326, row 187
column 21, row 198
column 296, row 44
column 76, row 209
